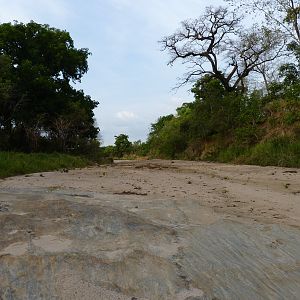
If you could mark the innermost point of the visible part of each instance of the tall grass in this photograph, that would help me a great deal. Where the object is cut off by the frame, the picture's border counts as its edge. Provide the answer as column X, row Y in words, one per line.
column 230, row 154
column 280, row 151
column 12, row 163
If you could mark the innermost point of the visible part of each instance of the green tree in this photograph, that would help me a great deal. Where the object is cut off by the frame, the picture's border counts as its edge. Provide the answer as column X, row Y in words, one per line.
column 122, row 145
column 41, row 64
column 159, row 125
column 170, row 134
column 216, row 110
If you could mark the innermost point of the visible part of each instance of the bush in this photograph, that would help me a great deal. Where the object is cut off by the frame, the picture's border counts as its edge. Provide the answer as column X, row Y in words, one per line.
column 231, row 154
column 248, row 135
column 281, row 151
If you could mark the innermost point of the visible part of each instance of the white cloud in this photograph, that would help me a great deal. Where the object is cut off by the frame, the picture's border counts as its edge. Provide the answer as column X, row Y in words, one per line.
column 126, row 115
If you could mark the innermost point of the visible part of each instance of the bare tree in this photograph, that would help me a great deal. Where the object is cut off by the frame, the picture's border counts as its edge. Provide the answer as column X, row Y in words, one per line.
column 216, row 44
column 33, row 132
column 62, row 129
column 279, row 14
column 269, row 73
column 257, row 50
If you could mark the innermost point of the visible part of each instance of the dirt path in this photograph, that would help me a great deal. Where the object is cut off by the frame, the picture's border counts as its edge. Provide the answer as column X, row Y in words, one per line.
column 151, row 230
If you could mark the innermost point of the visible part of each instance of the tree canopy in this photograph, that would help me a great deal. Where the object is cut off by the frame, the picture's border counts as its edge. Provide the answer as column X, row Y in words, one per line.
column 39, row 66
column 122, row 145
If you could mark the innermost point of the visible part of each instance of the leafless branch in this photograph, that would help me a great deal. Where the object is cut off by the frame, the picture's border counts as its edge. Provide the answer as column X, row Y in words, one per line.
column 216, row 44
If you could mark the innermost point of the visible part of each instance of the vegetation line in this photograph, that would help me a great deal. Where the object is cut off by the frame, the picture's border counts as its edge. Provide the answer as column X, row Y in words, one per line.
column 13, row 163
column 246, row 86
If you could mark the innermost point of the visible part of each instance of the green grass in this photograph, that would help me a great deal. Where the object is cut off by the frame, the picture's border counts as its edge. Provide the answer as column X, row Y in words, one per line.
column 230, row 154
column 281, row 151
column 12, row 163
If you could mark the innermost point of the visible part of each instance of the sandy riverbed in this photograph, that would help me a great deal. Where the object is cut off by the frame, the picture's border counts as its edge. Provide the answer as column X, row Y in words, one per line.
column 151, row 230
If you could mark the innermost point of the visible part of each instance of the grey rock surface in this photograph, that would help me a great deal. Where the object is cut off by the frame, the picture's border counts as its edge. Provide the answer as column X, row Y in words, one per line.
column 66, row 244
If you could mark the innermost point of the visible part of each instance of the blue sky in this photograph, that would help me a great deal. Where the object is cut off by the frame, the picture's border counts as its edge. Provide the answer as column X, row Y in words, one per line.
column 127, row 74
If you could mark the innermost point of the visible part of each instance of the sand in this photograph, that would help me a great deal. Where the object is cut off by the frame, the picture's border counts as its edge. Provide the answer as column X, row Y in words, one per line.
column 151, row 230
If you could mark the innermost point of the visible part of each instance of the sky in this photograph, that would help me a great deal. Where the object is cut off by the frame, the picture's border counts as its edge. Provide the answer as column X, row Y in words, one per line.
column 128, row 72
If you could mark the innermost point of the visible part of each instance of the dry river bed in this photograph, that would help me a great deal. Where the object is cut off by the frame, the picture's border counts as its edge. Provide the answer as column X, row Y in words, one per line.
column 151, row 230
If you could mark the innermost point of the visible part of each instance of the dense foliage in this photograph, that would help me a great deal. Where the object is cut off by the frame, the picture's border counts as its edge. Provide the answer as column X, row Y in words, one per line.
column 125, row 149
column 246, row 122
column 122, row 145
column 40, row 110
column 234, row 126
